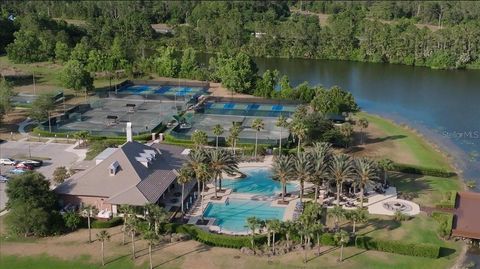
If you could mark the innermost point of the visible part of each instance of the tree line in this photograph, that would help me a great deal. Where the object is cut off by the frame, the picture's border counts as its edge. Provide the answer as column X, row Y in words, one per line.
column 360, row 31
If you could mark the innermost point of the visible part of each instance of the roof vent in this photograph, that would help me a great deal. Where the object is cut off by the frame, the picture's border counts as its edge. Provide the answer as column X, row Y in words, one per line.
column 113, row 168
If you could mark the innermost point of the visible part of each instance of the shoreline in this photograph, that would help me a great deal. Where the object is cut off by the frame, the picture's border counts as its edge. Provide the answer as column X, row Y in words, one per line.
column 439, row 148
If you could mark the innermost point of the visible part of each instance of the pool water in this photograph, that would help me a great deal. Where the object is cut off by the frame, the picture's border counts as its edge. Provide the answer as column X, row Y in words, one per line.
column 258, row 181
column 233, row 215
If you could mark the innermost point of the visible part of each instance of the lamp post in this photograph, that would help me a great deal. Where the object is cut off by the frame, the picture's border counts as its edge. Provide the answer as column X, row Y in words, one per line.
column 49, row 122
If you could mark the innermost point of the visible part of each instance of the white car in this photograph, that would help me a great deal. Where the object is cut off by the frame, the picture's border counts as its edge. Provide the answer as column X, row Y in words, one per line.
column 7, row 161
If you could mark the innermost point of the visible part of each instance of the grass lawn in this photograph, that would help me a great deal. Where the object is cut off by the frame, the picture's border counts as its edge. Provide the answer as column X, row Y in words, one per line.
column 46, row 262
column 428, row 190
column 424, row 153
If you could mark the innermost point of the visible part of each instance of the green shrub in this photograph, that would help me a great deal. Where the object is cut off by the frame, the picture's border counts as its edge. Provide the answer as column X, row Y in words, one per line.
column 448, row 200
column 102, row 224
column 421, row 170
column 445, row 221
column 398, row 247
column 327, row 239
column 218, row 240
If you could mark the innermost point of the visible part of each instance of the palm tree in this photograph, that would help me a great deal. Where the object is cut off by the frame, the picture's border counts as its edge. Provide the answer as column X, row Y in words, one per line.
column 196, row 159
column 221, row 161
column 321, row 155
column 358, row 215
column 199, row 138
column 234, row 133
column 103, row 236
column 275, row 227
column 89, row 210
column 304, row 232
column 366, row 171
column 217, row 131
column 81, row 136
column 347, row 131
column 337, row 212
column 288, row 227
column 303, row 168
column 282, row 169
column 363, row 122
column 341, row 170
column 155, row 216
column 342, row 238
column 317, row 229
column 385, row 165
column 185, row 175
column 132, row 226
column 253, row 223
column 282, row 123
column 127, row 210
column 258, row 125
column 299, row 129
column 151, row 238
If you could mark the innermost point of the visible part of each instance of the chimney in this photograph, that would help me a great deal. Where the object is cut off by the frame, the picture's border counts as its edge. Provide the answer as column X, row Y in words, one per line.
column 129, row 132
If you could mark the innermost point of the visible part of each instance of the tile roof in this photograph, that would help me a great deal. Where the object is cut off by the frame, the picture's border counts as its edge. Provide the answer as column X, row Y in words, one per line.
column 133, row 183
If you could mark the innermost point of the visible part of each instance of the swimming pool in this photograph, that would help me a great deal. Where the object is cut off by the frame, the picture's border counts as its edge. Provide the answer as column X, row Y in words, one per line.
column 232, row 216
column 258, row 181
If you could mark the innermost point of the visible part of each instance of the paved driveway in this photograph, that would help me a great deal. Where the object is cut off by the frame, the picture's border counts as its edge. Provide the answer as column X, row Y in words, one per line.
column 58, row 154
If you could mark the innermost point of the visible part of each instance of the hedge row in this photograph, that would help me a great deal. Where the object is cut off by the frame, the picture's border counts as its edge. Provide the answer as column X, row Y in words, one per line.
column 211, row 239
column 398, row 247
column 422, row 170
column 103, row 224
column 448, row 201
column 43, row 133
column 445, row 221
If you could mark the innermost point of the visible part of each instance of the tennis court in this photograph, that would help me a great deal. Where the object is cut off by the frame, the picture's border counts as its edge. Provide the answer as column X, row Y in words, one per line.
column 108, row 116
column 206, row 122
column 166, row 90
column 249, row 109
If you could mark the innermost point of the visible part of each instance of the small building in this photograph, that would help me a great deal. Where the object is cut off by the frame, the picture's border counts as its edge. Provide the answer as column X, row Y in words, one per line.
column 466, row 222
column 335, row 118
column 162, row 28
column 133, row 174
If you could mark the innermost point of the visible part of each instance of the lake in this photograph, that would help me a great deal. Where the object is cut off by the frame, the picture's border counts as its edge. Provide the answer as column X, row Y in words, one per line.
column 442, row 104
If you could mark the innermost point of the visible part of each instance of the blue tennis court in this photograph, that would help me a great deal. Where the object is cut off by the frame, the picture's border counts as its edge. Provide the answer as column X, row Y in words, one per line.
column 167, row 90
column 249, row 109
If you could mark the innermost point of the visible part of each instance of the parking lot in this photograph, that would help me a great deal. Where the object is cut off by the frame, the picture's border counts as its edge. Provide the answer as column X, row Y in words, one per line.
column 54, row 155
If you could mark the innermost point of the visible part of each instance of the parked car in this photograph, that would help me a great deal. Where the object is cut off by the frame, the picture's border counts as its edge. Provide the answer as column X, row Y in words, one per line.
column 17, row 171
column 3, row 179
column 24, row 166
column 8, row 161
column 34, row 163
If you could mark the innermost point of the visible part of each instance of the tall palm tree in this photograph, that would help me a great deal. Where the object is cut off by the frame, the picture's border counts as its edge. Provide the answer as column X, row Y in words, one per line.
column 321, row 156
column 199, row 138
column 385, row 165
column 341, row 169
column 217, row 131
column 275, row 227
column 347, row 131
column 337, row 212
column 303, row 168
column 363, row 123
column 103, row 236
column 151, row 238
column 282, row 123
column 342, row 238
column 317, row 229
column 89, row 211
column 234, row 133
column 282, row 169
column 253, row 223
column 299, row 129
column 127, row 210
column 358, row 215
column 288, row 227
column 185, row 175
column 196, row 159
column 155, row 216
column 221, row 161
column 258, row 125
column 132, row 226
column 366, row 171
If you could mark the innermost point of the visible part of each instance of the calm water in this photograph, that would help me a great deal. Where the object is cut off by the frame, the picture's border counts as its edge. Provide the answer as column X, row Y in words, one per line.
column 443, row 105
column 233, row 215
column 258, row 181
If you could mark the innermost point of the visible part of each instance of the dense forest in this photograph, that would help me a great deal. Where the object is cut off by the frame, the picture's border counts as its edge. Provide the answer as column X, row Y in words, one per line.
column 436, row 34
